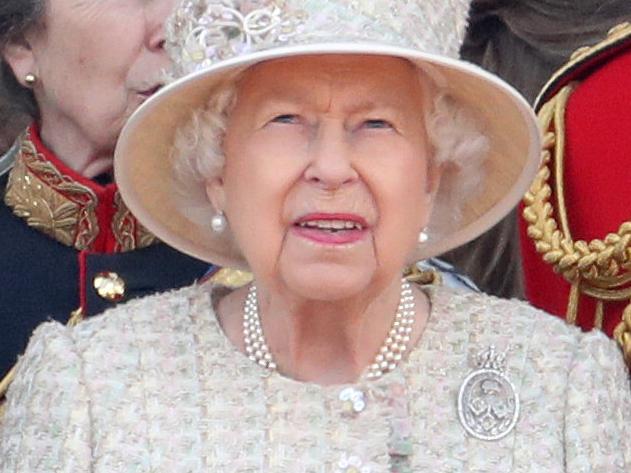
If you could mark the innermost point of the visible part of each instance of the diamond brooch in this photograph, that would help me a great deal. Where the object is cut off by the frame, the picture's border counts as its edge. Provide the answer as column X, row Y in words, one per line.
column 488, row 404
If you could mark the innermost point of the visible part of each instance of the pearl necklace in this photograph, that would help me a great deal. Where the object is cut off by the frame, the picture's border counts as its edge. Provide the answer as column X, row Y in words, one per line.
column 390, row 353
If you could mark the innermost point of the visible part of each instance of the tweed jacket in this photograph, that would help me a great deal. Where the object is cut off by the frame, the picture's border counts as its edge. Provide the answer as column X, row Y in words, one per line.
column 154, row 386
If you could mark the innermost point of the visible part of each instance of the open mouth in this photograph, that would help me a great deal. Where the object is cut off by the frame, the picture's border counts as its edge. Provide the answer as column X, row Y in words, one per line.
column 331, row 226
column 334, row 229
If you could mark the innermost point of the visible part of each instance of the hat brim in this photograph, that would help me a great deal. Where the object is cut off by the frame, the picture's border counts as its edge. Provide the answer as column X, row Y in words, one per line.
column 147, row 181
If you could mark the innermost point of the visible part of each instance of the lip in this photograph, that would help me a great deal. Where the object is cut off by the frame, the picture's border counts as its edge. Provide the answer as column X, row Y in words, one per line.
column 343, row 237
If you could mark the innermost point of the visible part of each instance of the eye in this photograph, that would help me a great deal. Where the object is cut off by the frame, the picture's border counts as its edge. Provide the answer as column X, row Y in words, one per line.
column 286, row 119
column 377, row 124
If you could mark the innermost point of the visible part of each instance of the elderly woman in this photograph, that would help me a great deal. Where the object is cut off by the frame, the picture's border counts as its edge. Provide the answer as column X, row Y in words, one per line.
column 68, row 244
column 319, row 145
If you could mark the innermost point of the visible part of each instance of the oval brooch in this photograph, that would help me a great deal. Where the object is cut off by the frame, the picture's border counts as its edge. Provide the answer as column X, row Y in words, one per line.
column 488, row 404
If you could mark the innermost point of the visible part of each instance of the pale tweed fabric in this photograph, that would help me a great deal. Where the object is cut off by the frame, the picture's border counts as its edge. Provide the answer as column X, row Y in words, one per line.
column 153, row 386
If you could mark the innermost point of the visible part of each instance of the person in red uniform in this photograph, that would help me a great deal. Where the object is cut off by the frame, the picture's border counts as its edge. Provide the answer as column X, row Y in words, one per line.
column 576, row 230
column 69, row 248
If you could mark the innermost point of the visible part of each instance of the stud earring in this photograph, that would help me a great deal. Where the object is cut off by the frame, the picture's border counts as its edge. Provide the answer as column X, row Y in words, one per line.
column 423, row 236
column 30, row 79
column 219, row 222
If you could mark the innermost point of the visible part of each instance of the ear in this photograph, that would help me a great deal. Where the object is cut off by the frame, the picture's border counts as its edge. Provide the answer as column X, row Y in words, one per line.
column 21, row 59
column 216, row 193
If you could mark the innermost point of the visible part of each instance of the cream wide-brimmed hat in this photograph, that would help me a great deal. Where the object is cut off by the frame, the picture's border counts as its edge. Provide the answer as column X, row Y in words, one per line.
column 212, row 40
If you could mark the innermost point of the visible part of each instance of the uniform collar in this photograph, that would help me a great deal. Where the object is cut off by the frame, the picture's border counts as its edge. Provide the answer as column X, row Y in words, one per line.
column 74, row 210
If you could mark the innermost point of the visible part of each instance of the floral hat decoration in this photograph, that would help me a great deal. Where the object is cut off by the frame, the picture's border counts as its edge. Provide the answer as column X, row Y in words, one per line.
column 212, row 41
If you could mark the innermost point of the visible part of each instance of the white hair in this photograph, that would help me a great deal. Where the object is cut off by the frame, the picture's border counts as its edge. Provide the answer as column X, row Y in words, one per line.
column 455, row 135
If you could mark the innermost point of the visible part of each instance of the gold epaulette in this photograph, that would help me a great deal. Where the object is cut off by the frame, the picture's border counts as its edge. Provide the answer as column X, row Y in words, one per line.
column 600, row 268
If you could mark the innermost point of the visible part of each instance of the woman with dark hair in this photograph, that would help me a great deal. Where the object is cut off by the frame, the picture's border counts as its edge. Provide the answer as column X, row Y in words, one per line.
column 68, row 244
column 524, row 42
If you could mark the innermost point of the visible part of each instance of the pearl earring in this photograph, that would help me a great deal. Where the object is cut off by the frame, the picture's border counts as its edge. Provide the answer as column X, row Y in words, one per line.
column 30, row 79
column 219, row 222
column 423, row 237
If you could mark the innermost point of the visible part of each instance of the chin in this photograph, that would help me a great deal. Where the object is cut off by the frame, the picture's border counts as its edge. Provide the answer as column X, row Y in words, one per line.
column 327, row 282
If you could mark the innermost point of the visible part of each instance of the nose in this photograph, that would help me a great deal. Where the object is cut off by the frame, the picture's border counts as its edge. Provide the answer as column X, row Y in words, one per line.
column 331, row 163
column 157, row 12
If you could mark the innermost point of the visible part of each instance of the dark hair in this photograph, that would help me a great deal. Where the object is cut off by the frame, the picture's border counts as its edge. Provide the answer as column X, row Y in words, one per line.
column 524, row 41
column 17, row 104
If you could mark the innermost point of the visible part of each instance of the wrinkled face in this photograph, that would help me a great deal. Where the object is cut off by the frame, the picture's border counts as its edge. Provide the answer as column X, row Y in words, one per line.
column 96, row 61
column 326, row 183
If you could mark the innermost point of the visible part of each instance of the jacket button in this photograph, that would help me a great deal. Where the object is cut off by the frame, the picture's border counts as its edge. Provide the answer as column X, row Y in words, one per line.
column 354, row 400
column 110, row 286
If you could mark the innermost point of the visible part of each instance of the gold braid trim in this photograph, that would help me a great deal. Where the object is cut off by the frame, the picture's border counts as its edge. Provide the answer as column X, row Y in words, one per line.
column 622, row 334
column 597, row 261
column 129, row 233
column 599, row 268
